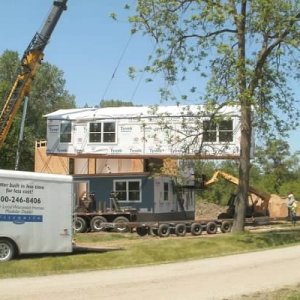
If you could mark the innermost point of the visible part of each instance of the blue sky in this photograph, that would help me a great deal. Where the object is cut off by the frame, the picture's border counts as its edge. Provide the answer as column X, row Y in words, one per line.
column 88, row 46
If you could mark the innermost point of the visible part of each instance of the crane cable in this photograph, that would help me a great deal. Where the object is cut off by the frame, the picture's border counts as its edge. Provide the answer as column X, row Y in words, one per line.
column 117, row 66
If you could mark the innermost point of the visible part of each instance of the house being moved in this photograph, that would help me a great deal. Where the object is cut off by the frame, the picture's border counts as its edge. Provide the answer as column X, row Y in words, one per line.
column 131, row 132
column 115, row 149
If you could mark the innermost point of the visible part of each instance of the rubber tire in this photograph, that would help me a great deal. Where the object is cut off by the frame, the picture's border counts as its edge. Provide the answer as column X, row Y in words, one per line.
column 180, row 229
column 123, row 227
column 226, row 226
column 96, row 223
column 142, row 230
column 211, row 228
column 7, row 250
column 163, row 230
column 152, row 231
column 196, row 229
column 80, row 225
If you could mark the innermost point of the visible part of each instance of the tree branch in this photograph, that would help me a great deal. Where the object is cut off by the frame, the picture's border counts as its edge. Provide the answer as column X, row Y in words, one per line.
column 265, row 52
column 210, row 34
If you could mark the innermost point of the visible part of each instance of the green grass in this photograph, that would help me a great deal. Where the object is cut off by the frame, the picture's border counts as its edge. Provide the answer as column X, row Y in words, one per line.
column 124, row 250
column 287, row 293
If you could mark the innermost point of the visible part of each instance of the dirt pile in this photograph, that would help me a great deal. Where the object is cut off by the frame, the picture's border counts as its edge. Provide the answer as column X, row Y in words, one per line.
column 277, row 206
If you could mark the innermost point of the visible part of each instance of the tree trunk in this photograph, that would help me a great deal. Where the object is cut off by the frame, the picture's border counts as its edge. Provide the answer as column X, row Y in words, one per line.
column 245, row 103
column 244, row 168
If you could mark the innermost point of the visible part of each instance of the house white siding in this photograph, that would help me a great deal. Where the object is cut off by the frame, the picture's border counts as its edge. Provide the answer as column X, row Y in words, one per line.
column 143, row 132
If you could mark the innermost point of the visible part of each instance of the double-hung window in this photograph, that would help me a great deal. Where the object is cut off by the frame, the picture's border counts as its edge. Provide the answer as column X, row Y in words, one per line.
column 65, row 132
column 218, row 131
column 226, row 131
column 128, row 190
column 102, row 132
column 209, row 131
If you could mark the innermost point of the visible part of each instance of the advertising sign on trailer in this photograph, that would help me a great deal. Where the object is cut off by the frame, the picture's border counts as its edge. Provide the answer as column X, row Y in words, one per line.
column 35, row 213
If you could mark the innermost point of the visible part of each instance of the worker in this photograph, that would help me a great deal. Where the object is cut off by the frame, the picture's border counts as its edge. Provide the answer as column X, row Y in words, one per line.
column 290, row 204
column 293, row 212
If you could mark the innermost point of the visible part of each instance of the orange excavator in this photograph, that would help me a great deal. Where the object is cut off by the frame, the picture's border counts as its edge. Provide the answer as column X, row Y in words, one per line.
column 258, row 200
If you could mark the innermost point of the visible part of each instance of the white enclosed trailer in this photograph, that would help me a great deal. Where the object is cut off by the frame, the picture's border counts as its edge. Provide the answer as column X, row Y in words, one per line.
column 35, row 213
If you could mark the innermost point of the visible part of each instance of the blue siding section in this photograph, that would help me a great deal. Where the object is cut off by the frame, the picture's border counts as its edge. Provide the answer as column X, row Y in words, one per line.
column 102, row 186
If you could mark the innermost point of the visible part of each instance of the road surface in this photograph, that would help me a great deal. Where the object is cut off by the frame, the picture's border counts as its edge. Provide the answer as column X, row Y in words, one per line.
column 212, row 278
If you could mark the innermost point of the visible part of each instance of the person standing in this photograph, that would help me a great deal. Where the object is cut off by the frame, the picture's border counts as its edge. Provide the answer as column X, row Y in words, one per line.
column 291, row 204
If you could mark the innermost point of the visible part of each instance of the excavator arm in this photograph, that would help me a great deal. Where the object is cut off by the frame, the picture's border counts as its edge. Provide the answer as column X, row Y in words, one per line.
column 30, row 62
column 230, row 178
column 252, row 209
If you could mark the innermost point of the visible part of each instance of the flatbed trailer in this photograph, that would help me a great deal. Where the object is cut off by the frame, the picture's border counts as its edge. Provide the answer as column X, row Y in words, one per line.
column 194, row 227
column 95, row 220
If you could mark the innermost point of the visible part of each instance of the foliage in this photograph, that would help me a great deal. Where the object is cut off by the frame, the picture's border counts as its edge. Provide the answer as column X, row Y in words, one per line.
column 248, row 49
column 278, row 169
column 47, row 94
column 114, row 103
column 203, row 37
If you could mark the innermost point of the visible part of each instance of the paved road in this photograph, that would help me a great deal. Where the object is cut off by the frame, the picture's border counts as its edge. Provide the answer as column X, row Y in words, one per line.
column 213, row 278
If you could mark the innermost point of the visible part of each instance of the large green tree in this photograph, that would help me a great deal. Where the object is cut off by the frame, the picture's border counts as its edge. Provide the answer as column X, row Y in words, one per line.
column 248, row 50
column 278, row 167
column 114, row 103
column 48, row 93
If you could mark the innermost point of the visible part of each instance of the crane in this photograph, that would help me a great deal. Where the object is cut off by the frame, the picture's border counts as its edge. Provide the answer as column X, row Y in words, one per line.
column 30, row 62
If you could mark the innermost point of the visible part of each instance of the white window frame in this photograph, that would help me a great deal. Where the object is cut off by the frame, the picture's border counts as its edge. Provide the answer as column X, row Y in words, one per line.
column 127, row 189
column 102, row 133
column 65, row 132
column 217, row 130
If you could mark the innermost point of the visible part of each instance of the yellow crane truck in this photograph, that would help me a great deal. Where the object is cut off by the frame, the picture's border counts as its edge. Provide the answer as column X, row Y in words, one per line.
column 30, row 62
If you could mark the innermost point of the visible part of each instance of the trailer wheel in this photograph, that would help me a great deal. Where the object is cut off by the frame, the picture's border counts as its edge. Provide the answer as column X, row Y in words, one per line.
column 226, row 226
column 142, row 230
column 180, row 229
column 196, row 229
column 152, row 231
column 211, row 228
column 7, row 250
column 80, row 225
column 163, row 230
column 96, row 223
column 121, row 224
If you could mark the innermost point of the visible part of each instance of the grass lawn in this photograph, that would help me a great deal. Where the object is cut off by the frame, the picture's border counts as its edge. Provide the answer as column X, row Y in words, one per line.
column 115, row 250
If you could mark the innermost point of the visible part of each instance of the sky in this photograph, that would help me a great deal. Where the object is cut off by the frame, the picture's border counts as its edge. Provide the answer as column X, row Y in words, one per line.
column 92, row 50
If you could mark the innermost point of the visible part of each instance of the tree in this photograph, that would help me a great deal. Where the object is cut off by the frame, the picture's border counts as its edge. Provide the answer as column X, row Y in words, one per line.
column 47, row 94
column 249, row 49
column 114, row 103
column 278, row 167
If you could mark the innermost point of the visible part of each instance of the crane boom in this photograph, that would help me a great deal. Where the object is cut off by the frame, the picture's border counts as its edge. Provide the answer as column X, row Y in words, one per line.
column 30, row 62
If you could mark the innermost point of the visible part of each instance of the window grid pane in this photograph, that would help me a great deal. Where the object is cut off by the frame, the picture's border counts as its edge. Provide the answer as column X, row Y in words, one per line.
column 226, row 131
column 128, row 190
column 102, row 132
column 65, row 132
column 166, row 191
column 209, row 131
